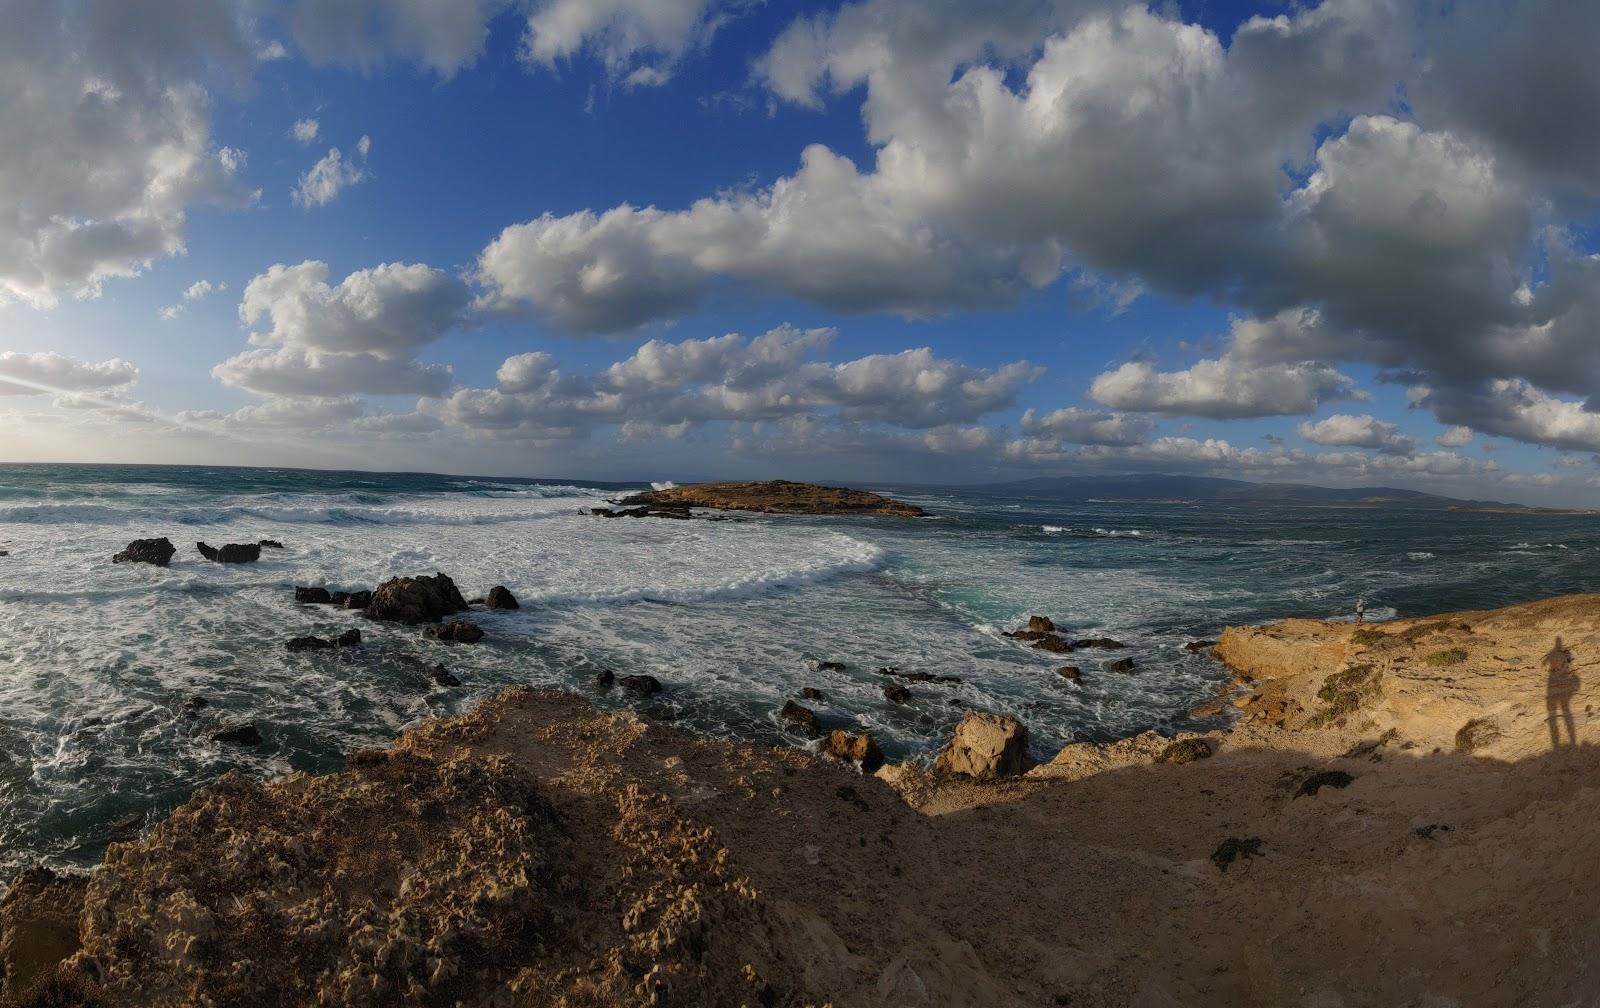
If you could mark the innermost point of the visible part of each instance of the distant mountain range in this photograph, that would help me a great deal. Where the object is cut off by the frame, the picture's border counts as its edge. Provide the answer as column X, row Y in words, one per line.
column 1214, row 490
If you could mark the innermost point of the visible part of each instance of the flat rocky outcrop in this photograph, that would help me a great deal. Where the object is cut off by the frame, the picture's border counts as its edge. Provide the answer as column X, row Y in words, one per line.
column 774, row 497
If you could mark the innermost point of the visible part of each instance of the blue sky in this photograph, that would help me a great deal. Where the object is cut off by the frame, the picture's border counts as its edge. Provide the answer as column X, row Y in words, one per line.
column 1300, row 242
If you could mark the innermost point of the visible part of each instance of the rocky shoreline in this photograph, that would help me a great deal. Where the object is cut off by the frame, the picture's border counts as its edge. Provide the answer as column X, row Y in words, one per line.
column 766, row 497
column 1400, row 814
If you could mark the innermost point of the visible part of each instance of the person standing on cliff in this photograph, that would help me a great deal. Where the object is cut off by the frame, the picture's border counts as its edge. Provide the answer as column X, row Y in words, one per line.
column 1361, row 611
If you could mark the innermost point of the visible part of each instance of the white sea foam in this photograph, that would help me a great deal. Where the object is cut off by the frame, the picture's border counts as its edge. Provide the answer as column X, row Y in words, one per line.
column 1419, row 555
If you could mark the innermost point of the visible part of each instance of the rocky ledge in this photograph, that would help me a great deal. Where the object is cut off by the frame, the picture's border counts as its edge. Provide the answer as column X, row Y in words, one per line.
column 1412, row 825
column 773, row 497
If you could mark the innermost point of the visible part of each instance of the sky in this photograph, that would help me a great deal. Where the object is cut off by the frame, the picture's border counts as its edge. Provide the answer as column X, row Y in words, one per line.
column 1348, row 243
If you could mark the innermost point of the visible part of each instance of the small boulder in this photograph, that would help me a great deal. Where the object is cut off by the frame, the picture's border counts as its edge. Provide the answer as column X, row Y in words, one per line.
column 270, row 544
column 1185, row 751
column 500, row 597
column 1052, row 644
column 895, row 693
column 1199, row 645
column 195, row 703
column 1040, row 624
column 1099, row 642
column 643, row 685
column 858, row 749
column 442, row 676
column 413, row 600
column 231, row 553
column 605, row 678
column 310, row 644
column 240, row 735
column 150, row 551
column 811, row 693
column 986, row 746
column 803, row 719
column 352, row 600
column 831, row 666
column 312, row 596
column 350, row 638
column 1071, row 673
column 1121, row 665
column 456, row 632
column 1208, row 710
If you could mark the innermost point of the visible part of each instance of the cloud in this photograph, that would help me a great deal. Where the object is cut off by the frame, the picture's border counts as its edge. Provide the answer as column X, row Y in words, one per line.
column 359, row 337
column 323, row 181
column 1516, row 409
column 1455, row 437
column 47, row 373
column 1358, row 431
column 200, row 288
column 638, row 41
column 1076, row 425
column 105, row 138
column 285, row 413
column 304, row 131
column 1223, row 388
column 444, row 36
column 364, row 146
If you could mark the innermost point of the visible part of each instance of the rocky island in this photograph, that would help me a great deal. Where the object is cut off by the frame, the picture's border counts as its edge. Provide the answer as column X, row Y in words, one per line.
column 774, row 497
column 1399, row 814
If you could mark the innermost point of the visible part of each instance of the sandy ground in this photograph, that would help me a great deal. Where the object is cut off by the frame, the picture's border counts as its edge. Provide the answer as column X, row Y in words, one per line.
column 1381, row 856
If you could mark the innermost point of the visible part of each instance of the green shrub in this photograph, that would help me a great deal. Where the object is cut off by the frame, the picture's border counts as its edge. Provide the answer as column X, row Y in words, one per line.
column 1439, row 659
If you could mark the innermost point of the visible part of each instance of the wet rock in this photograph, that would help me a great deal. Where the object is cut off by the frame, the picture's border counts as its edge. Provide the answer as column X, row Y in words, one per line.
column 1325, row 778
column 126, row 829
column 927, row 677
column 1026, row 635
column 831, row 666
column 773, row 497
column 1208, row 710
column 858, row 749
column 312, row 596
column 1185, row 751
column 605, row 678
column 310, row 644
column 352, row 600
column 642, row 685
column 811, row 693
column 1121, row 665
column 1199, row 645
column 442, row 676
column 1071, row 673
column 1052, row 644
column 803, row 719
column 1040, row 624
column 413, row 600
column 986, row 746
column 270, row 544
column 500, row 597
column 231, row 553
column 456, row 632
column 150, row 551
column 38, row 926
column 350, row 638
column 1099, row 642
column 195, row 703
column 239, row 735
column 895, row 693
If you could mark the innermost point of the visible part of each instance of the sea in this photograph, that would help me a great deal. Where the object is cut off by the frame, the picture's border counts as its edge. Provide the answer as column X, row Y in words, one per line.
column 100, row 663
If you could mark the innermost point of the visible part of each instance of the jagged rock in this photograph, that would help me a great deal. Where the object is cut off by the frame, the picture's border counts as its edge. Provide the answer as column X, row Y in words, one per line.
column 927, row 677
column 38, row 926
column 413, row 600
column 442, row 676
column 810, row 693
column 310, row 644
column 270, row 544
column 896, row 694
column 1026, row 635
column 350, row 638
column 195, row 703
column 803, row 719
column 1040, row 624
column 986, row 746
column 150, row 551
column 240, row 735
column 312, row 596
column 1185, row 751
column 1099, row 642
column 644, row 685
column 1199, row 645
column 1053, row 644
column 858, row 749
column 1121, row 665
column 231, row 553
column 456, row 632
column 1071, row 673
column 500, row 597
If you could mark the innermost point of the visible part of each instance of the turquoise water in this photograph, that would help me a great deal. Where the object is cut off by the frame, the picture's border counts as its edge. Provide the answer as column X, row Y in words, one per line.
column 97, row 661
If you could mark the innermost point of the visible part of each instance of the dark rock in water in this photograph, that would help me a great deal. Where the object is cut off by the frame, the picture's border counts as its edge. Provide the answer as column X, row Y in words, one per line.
column 456, row 632
column 231, row 553
column 350, row 638
column 1121, row 665
column 605, row 678
column 126, row 829
column 644, row 685
column 1199, row 645
column 896, row 694
column 1099, row 642
column 1040, row 624
column 150, row 551
column 357, row 600
column 240, row 735
column 416, row 600
column 442, row 676
column 195, row 703
column 1026, row 635
column 649, row 511
column 1185, row 751
column 811, row 693
column 889, row 670
column 312, row 596
column 831, row 666
column 660, row 712
column 1325, row 778
column 803, row 719
column 3, row 553
column 1071, row 673
column 310, row 644
column 500, row 597
column 270, row 544
column 858, row 749
column 1052, row 644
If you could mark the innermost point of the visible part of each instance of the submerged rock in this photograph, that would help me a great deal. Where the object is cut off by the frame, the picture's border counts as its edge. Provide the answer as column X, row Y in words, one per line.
column 803, row 719
column 1196, row 646
column 442, row 676
column 986, row 746
column 270, row 544
column 456, row 632
column 239, row 735
column 1121, row 665
column 350, row 638
column 310, row 644
column 231, row 553
column 643, row 685
column 413, row 600
column 352, row 600
column 831, row 666
column 1099, row 642
column 895, row 693
column 927, row 677
column 858, row 749
column 1071, row 673
column 810, row 693
column 150, row 551
column 1053, row 644
column 605, row 679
